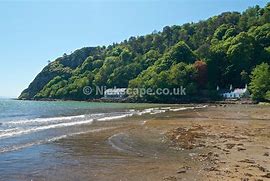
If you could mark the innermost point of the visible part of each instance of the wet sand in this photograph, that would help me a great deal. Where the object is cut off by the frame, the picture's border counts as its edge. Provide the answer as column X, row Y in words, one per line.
column 215, row 143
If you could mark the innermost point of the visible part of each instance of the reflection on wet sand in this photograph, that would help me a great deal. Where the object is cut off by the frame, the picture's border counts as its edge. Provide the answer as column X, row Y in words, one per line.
column 214, row 143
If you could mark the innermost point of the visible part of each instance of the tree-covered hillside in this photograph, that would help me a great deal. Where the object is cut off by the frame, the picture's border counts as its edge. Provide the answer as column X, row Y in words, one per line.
column 220, row 51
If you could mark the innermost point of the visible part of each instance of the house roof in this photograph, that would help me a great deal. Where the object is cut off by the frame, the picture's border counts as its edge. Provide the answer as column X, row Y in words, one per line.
column 115, row 91
column 239, row 91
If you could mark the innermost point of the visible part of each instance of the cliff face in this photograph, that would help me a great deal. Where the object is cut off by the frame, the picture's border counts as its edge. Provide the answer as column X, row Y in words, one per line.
column 222, row 50
column 38, row 83
column 62, row 66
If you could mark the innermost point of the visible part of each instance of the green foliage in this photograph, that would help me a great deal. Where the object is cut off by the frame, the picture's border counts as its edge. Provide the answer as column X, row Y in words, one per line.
column 231, row 45
column 220, row 32
column 261, row 34
column 179, row 74
column 240, row 54
column 260, row 82
column 267, row 96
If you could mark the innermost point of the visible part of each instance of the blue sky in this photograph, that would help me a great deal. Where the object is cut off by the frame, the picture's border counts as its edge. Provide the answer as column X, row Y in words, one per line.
column 33, row 32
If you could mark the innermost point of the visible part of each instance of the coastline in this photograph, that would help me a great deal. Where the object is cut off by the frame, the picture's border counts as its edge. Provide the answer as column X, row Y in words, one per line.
column 211, row 143
column 135, row 91
column 227, row 102
column 215, row 143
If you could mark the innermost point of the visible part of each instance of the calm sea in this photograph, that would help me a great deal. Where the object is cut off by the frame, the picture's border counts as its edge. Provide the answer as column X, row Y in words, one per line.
column 30, row 130
column 27, row 123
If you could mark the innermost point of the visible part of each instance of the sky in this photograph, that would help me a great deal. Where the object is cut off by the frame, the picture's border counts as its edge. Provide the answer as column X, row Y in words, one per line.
column 33, row 32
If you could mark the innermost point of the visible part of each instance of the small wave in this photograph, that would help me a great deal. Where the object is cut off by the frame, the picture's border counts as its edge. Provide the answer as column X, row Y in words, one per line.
column 200, row 107
column 116, row 141
column 188, row 108
column 78, row 133
column 41, row 128
column 145, row 111
column 158, row 111
column 166, row 108
column 153, row 111
column 8, row 130
column 18, row 147
column 56, row 138
column 122, row 142
column 179, row 109
column 114, row 117
column 43, row 120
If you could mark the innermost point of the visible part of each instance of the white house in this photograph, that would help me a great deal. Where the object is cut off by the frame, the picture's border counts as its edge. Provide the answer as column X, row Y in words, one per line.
column 236, row 93
column 116, row 93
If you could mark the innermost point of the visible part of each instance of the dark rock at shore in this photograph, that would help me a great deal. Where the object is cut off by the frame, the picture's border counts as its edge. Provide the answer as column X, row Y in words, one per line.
column 267, row 175
column 183, row 169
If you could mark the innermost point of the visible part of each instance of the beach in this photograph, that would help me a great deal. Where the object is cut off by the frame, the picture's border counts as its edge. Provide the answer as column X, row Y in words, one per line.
column 214, row 142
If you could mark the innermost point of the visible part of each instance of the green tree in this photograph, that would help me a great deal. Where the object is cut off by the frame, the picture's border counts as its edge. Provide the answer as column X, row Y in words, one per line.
column 260, row 82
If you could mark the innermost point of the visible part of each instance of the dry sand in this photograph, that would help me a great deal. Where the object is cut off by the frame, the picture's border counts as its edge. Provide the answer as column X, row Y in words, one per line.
column 235, row 142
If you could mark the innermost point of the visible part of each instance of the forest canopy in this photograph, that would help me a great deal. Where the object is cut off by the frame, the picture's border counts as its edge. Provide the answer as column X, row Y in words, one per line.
column 228, row 49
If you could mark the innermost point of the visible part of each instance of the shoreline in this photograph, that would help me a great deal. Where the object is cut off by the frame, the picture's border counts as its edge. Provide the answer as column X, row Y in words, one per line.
column 227, row 102
column 214, row 143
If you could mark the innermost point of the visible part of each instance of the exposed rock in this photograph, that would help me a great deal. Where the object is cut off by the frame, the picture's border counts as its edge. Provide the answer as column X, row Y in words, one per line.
column 192, row 154
column 261, row 168
column 248, row 174
column 211, row 169
column 186, row 138
column 240, row 148
column 183, row 169
column 267, row 175
column 171, row 178
column 230, row 145
column 225, row 150
column 247, row 161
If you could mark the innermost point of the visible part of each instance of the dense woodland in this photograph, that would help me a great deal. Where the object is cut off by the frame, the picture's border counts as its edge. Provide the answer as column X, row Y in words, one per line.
column 229, row 49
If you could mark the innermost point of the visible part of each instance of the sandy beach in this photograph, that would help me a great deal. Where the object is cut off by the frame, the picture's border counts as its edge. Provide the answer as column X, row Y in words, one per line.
column 215, row 143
